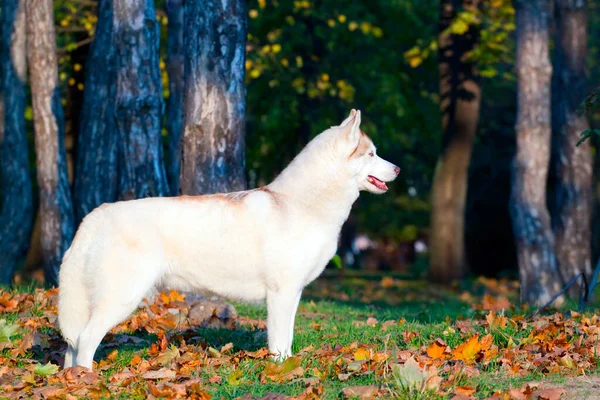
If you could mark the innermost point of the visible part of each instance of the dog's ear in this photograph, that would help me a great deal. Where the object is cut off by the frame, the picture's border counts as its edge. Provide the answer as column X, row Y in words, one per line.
column 347, row 120
column 354, row 129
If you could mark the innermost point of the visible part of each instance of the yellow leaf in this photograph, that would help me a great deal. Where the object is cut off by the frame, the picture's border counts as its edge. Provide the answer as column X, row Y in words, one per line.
column 286, row 371
column 235, row 377
column 415, row 61
column 362, row 354
column 253, row 13
column 459, row 27
column 467, row 351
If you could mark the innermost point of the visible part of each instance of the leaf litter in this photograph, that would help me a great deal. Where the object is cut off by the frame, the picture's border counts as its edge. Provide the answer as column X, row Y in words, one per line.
column 178, row 363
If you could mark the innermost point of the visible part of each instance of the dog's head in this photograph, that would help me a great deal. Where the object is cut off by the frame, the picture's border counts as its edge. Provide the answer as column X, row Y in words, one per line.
column 371, row 171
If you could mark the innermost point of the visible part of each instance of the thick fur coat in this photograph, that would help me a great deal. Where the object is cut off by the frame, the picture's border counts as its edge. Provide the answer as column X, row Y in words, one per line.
column 266, row 243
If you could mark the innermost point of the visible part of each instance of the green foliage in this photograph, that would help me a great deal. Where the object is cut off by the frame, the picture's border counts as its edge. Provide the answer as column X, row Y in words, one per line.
column 310, row 61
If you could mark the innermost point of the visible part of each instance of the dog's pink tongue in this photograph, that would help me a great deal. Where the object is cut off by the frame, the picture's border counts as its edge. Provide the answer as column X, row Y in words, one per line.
column 380, row 184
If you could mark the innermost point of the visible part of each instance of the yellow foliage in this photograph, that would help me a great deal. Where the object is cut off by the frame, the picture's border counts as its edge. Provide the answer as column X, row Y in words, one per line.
column 352, row 26
column 253, row 13
column 255, row 73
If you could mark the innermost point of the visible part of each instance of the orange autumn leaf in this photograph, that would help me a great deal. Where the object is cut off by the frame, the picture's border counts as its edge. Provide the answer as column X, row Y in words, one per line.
column 496, row 321
column 495, row 303
column 468, row 351
column 465, row 391
column 436, row 349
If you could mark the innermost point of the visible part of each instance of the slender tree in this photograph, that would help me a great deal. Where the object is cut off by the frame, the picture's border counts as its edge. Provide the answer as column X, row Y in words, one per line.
column 96, row 175
column 539, row 275
column 55, row 197
column 460, row 95
column 215, row 104
column 175, row 63
column 572, row 164
column 138, row 100
column 16, row 210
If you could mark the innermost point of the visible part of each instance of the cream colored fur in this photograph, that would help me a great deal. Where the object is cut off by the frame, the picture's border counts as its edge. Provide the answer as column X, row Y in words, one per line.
column 266, row 243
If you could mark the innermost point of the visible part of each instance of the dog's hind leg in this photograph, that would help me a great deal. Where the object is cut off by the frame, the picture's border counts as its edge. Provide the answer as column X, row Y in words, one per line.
column 281, row 314
column 119, row 299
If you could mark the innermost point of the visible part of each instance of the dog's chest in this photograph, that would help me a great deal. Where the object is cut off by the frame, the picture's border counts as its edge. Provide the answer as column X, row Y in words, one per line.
column 321, row 252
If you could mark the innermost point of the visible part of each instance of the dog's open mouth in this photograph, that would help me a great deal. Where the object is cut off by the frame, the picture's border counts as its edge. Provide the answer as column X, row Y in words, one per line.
column 379, row 184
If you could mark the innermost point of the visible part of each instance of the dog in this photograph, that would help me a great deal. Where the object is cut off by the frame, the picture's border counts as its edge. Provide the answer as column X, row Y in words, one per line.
column 266, row 243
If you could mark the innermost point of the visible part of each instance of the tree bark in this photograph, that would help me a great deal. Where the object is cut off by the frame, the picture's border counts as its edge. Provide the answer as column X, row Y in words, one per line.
column 16, row 202
column 55, row 197
column 538, row 270
column 96, row 175
column 460, row 101
column 175, row 63
column 215, row 97
column 572, row 164
column 138, row 100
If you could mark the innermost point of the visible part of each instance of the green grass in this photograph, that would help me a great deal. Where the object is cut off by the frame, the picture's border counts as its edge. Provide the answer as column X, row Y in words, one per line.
column 333, row 313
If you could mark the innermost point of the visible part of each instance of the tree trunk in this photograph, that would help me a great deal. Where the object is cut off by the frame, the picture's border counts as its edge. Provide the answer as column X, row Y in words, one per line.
column 460, row 100
column 538, row 270
column 175, row 63
column 138, row 100
column 16, row 209
column 215, row 103
column 96, row 175
column 55, row 196
column 572, row 165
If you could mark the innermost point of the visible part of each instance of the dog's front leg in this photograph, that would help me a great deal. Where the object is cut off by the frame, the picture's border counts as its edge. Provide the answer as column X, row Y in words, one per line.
column 281, row 313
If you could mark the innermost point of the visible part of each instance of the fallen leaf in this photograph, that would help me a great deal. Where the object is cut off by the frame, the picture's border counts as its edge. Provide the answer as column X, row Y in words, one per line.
column 162, row 373
column 362, row 392
column 465, row 390
column 45, row 370
column 436, row 349
column 362, row 354
column 285, row 371
column 548, row 394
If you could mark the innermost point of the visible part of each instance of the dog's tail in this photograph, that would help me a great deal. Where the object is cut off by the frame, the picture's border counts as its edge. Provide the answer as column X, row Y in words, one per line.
column 74, row 292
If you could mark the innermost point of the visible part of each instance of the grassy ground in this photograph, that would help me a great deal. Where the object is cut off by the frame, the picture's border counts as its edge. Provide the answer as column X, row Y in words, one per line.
column 370, row 335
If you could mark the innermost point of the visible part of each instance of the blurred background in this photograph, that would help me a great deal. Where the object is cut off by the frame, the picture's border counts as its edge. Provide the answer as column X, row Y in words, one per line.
column 437, row 83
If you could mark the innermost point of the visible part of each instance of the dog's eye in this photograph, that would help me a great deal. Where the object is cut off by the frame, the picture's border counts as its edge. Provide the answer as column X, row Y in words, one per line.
column 372, row 154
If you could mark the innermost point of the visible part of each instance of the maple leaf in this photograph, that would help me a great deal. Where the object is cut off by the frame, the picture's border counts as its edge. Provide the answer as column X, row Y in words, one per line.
column 167, row 356
column 7, row 331
column 45, row 370
column 468, row 351
column 437, row 349
column 285, row 371
column 7, row 304
column 496, row 321
column 235, row 378
column 362, row 354
column 410, row 377
column 25, row 345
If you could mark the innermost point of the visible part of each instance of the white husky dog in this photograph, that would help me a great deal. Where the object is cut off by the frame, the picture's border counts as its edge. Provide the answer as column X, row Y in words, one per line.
column 263, row 243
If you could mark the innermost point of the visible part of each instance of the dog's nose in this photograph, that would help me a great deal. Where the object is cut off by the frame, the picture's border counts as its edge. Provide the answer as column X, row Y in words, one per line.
column 397, row 170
